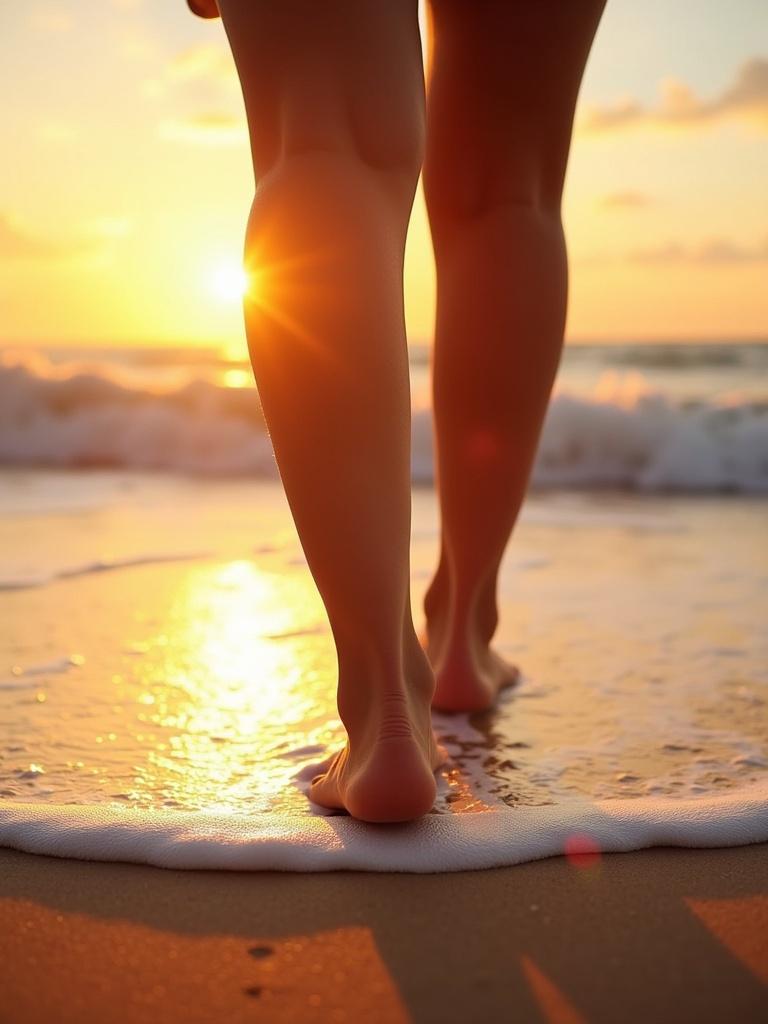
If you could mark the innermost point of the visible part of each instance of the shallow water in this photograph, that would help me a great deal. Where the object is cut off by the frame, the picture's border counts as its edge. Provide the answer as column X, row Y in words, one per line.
column 163, row 647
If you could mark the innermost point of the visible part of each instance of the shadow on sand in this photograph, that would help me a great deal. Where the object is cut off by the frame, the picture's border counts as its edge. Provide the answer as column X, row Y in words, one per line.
column 659, row 935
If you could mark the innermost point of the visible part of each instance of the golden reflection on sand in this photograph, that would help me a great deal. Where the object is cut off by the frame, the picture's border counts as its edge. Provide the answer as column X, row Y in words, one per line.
column 237, row 675
column 209, row 682
column 461, row 795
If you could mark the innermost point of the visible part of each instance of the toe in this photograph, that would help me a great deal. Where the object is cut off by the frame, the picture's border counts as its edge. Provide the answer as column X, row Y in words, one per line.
column 324, row 788
column 320, row 792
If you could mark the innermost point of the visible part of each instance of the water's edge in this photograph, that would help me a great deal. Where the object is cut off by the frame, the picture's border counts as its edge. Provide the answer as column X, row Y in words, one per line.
column 433, row 844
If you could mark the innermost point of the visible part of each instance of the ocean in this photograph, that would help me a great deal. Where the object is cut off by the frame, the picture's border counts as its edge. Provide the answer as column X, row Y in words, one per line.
column 653, row 418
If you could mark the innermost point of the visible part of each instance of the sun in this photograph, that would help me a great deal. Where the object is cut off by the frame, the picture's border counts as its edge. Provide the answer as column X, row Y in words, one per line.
column 229, row 282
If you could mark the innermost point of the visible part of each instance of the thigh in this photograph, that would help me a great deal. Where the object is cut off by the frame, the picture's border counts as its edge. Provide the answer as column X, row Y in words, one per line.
column 329, row 75
column 504, row 78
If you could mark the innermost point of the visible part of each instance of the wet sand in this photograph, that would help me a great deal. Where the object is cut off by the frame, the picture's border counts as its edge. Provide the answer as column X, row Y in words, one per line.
column 660, row 935
column 136, row 677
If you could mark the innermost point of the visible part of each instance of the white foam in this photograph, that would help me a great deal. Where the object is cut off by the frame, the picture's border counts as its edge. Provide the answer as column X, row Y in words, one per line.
column 435, row 843
column 616, row 437
column 646, row 442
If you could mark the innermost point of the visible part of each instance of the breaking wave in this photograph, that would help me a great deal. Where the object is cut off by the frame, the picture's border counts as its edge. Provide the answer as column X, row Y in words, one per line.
column 643, row 440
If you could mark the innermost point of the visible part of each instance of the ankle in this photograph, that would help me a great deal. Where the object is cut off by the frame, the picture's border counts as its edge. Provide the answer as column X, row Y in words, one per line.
column 436, row 594
column 372, row 680
column 465, row 616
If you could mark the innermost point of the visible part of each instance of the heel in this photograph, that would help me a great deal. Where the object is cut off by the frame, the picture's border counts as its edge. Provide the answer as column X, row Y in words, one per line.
column 395, row 784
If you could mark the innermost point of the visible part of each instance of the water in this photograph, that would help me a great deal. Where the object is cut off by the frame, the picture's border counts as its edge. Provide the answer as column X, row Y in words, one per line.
column 163, row 647
column 654, row 418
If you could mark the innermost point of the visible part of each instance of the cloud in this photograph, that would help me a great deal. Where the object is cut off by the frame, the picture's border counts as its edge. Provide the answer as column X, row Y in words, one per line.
column 714, row 252
column 622, row 200
column 679, row 106
column 200, row 78
column 207, row 61
column 205, row 73
column 207, row 129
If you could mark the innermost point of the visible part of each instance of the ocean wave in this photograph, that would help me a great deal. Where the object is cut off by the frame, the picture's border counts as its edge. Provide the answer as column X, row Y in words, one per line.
column 643, row 441
column 673, row 355
column 89, row 419
column 677, row 356
column 654, row 444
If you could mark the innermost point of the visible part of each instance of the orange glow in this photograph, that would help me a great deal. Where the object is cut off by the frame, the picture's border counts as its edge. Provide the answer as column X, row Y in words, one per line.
column 554, row 1006
column 664, row 230
column 336, row 974
column 741, row 925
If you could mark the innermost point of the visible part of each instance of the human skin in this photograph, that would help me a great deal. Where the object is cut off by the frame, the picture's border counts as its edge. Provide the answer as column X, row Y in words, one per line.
column 204, row 8
column 503, row 84
column 334, row 95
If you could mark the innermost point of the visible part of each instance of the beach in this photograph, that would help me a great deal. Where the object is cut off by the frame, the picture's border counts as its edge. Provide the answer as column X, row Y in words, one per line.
column 661, row 935
column 166, row 649
column 484, row 286
column 165, row 653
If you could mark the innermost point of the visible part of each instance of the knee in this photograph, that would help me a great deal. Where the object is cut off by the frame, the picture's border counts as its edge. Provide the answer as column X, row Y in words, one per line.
column 389, row 138
column 327, row 189
column 473, row 190
column 368, row 141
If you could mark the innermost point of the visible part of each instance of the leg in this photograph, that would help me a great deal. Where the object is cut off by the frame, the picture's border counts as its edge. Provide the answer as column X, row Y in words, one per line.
column 503, row 86
column 334, row 96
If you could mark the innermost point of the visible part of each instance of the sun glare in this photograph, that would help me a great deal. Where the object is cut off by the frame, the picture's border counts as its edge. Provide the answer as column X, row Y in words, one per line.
column 229, row 282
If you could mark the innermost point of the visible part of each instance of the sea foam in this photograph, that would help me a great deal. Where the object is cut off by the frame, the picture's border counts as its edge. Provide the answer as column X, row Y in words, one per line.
column 434, row 843
column 635, row 439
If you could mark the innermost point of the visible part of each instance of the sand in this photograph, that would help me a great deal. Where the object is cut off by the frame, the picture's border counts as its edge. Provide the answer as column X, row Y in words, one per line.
column 662, row 935
column 207, row 684
column 639, row 624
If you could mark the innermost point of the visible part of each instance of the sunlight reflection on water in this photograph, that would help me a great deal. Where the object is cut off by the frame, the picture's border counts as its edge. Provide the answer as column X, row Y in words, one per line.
column 209, row 683
column 239, row 680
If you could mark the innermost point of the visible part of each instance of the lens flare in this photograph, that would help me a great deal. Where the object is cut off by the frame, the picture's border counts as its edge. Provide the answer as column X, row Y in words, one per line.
column 582, row 851
column 230, row 282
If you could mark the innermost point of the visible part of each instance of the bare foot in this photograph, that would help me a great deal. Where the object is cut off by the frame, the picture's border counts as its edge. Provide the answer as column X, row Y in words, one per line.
column 469, row 674
column 385, row 773
column 471, row 679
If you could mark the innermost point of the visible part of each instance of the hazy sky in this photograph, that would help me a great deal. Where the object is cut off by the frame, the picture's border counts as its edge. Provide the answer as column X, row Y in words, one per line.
column 125, row 178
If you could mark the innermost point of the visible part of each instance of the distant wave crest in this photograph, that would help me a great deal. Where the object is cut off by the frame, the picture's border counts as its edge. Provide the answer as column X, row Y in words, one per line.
column 92, row 420
column 643, row 442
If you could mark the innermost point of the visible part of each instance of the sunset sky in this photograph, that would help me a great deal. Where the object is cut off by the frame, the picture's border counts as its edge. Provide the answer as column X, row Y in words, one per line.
column 126, row 178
